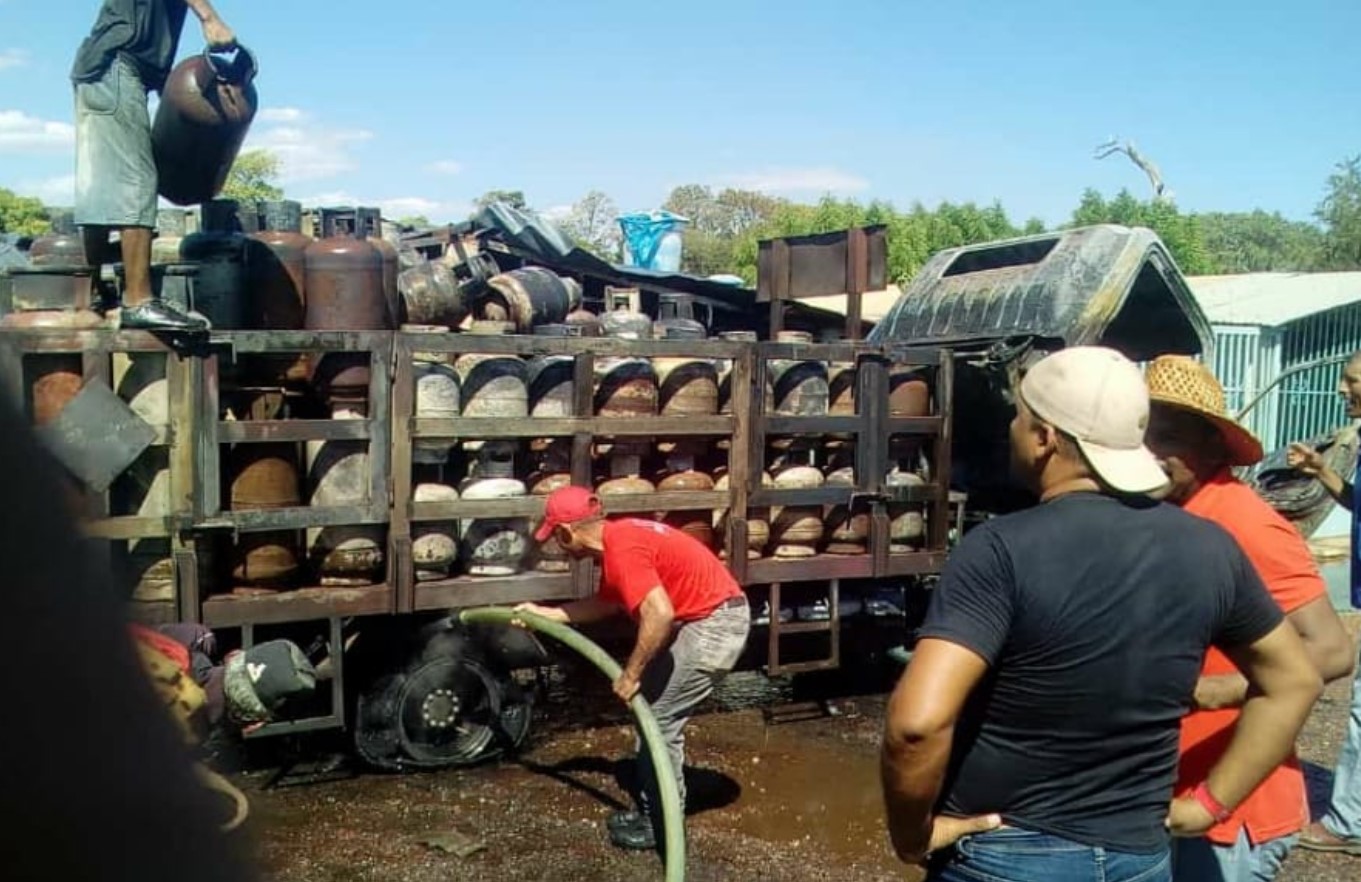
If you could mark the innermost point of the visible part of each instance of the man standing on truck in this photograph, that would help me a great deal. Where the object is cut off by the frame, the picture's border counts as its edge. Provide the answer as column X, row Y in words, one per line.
column 692, row 620
column 129, row 52
column 1197, row 443
column 1339, row 830
column 1033, row 736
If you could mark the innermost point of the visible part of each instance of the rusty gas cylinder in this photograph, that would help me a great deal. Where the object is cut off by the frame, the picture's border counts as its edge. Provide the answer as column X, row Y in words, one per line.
column 529, row 297
column 63, row 246
column 758, row 520
column 431, row 295
column 207, row 105
column 434, row 544
column 343, row 281
column 56, row 380
column 552, row 470
column 796, row 530
column 339, row 474
column 370, row 221
column 847, row 529
column 907, row 520
column 625, row 387
column 687, row 385
column 841, row 377
column 680, row 475
column 264, row 477
column 437, row 396
column 278, row 268
column 909, row 396
column 493, row 386
column 494, row 546
column 587, row 321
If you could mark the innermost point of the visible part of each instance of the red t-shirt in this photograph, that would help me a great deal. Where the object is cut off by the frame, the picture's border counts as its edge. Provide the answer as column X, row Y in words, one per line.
column 640, row 555
column 1278, row 806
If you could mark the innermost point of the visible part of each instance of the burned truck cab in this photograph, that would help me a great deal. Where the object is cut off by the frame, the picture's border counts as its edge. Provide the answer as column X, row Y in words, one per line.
column 1001, row 306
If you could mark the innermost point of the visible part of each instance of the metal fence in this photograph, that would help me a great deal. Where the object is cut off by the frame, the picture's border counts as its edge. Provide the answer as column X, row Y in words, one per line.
column 1248, row 359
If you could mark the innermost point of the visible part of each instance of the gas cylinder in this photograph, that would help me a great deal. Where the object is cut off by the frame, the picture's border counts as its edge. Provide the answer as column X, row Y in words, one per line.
column 63, row 246
column 552, row 387
column 431, row 295
column 339, row 475
column 146, row 485
column 343, row 287
column 624, row 476
column 437, row 396
column 370, row 222
column 551, row 471
column 530, row 296
column 171, row 228
column 758, row 520
column 795, row 530
column 493, row 385
column 680, row 475
column 207, row 105
column 434, row 544
column 848, row 530
column 50, row 296
column 56, row 380
column 909, row 396
column 265, row 477
column 687, row 385
column 800, row 384
column 907, row 521
column 494, row 546
column 219, row 251
column 587, row 321
column 725, row 365
column 278, row 268
column 623, row 319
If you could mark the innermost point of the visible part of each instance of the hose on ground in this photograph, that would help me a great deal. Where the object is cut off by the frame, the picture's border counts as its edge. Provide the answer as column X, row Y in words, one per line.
column 673, row 816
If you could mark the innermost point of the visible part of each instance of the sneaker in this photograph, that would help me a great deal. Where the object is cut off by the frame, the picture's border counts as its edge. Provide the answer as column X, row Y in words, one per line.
column 156, row 315
column 637, row 836
column 621, row 820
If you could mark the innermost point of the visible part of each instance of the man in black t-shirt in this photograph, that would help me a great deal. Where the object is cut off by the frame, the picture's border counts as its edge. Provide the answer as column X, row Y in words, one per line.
column 128, row 53
column 1034, row 734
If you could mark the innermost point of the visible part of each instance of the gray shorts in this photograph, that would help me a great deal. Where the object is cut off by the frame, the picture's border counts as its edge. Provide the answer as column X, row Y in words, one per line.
column 115, row 172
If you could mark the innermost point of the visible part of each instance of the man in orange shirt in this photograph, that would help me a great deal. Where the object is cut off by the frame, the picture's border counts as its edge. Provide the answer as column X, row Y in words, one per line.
column 692, row 619
column 1197, row 443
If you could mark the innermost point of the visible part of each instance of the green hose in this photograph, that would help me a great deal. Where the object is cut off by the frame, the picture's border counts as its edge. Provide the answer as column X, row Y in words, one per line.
column 673, row 817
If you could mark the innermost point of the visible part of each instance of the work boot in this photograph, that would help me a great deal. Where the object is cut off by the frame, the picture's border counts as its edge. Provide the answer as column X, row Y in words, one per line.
column 636, row 836
column 157, row 315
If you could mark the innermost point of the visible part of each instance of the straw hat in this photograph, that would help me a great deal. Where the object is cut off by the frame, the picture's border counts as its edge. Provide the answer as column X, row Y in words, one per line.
column 1186, row 384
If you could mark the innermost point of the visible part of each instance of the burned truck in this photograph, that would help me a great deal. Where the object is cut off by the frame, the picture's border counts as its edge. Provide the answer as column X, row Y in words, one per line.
column 364, row 440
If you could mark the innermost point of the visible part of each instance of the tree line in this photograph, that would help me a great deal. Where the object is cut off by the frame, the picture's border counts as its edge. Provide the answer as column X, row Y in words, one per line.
column 726, row 224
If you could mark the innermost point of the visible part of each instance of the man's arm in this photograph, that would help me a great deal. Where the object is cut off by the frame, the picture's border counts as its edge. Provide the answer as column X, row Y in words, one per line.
column 1311, row 462
column 1325, row 641
column 576, row 612
column 918, row 732
column 655, row 619
column 215, row 30
column 1283, row 686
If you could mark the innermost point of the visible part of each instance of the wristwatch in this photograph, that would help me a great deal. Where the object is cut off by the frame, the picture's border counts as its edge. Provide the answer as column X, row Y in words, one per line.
column 1217, row 809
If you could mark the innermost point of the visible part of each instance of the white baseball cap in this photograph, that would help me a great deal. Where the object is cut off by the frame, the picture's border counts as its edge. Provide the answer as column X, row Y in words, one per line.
column 1098, row 396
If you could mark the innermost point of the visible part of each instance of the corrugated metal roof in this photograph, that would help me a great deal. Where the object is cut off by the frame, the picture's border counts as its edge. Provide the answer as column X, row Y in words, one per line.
column 1272, row 299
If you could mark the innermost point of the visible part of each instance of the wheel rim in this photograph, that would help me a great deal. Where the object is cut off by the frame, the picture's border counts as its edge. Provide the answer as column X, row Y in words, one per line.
column 450, row 712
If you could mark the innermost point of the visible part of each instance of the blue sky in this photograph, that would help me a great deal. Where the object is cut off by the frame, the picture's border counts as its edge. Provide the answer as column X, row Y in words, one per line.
column 421, row 106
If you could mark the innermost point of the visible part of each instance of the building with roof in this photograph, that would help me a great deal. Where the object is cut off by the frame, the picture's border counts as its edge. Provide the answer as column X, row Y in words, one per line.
column 1301, row 325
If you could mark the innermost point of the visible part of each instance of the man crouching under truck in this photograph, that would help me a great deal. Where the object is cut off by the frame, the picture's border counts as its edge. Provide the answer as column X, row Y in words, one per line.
column 1034, row 734
column 692, row 619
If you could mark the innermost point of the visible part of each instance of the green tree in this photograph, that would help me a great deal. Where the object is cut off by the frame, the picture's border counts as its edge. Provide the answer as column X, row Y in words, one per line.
column 1340, row 214
column 1257, row 241
column 253, row 178
column 24, row 215
column 513, row 198
column 1181, row 233
column 414, row 220
column 592, row 225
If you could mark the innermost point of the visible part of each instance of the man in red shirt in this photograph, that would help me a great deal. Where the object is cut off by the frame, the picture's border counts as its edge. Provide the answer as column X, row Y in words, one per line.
column 1197, row 444
column 692, row 620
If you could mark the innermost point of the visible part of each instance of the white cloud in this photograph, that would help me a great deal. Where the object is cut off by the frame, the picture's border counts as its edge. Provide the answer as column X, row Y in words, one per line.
column 280, row 114
column 555, row 212
column 59, row 190
column 445, row 167
column 307, row 151
column 11, row 58
column 21, row 133
column 393, row 207
column 797, row 180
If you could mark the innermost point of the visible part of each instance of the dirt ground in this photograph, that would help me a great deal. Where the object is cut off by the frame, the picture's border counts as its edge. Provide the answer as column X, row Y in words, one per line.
column 781, row 792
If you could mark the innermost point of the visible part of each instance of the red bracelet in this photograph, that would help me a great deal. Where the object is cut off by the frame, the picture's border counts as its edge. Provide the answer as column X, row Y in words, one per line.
column 1216, row 808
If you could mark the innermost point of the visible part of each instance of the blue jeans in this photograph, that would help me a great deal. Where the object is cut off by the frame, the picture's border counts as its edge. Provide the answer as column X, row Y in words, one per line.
column 1200, row 860
column 1014, row 855
column 1344, row 809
